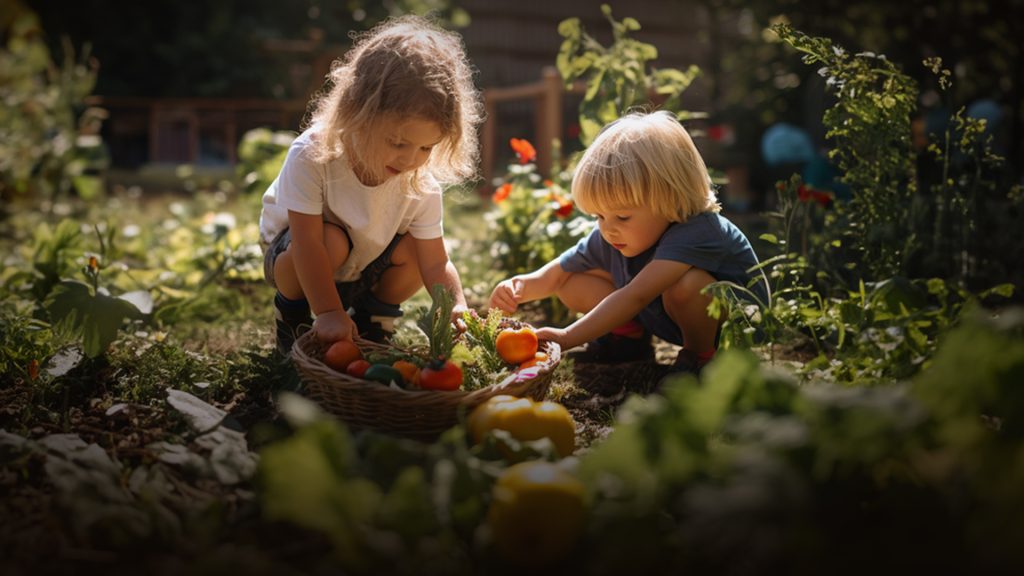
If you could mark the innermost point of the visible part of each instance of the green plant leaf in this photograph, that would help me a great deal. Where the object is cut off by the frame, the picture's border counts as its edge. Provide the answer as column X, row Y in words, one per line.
column 1004, row 290
column 141, row 299
column 88, row 187
column 97, row 317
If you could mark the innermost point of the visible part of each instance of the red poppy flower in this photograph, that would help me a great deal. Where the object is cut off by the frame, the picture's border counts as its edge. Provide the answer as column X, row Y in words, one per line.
column 33, row 369
column 807, row 194
column 523, row 149
column 564, row 208
column 502, row 193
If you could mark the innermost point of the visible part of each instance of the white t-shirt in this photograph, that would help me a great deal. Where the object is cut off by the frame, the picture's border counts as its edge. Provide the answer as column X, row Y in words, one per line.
column 371, row 215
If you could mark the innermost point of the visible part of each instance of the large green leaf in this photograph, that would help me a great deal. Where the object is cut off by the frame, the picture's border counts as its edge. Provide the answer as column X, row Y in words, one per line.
column 97, row 317
column 306, row 480
column 88, row 187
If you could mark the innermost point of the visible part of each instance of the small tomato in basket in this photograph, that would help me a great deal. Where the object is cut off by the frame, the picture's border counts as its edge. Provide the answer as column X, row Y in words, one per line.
column 358, row 368
column 341, row 354
column 441, row 375
column 410, row 372
column 525, row 420
column 537, row 359
column 516, row 345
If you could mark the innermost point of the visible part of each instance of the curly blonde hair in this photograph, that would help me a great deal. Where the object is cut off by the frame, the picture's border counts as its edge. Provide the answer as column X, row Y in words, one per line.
column 406, row 67
column 644, row 160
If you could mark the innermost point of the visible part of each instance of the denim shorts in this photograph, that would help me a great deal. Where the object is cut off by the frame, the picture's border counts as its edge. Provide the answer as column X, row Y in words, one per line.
column 349, row 292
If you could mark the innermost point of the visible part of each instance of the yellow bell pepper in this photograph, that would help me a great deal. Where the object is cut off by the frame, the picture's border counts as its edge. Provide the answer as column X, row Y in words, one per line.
column 537, row 513
column 525, row 420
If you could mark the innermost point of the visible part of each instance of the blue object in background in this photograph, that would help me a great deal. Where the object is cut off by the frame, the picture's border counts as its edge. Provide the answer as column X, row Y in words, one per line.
column 988, row 110
column 784, row 143
column 820, row 174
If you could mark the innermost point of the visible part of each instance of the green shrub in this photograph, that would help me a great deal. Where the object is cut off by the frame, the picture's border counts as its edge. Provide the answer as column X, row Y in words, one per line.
column 617, row 76
column 938, row 216
column 533, row 221
column 48, row 144
column 261, row 154
column 746, row 471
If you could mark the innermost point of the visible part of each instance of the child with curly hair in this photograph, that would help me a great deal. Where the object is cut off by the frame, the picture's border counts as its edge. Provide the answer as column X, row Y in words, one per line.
column 352, row 226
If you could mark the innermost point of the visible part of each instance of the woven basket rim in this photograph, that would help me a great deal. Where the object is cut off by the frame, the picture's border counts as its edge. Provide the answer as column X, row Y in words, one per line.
column 317, row 369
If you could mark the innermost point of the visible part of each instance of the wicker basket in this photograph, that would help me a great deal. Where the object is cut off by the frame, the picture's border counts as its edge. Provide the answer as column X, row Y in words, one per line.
column 419, row 414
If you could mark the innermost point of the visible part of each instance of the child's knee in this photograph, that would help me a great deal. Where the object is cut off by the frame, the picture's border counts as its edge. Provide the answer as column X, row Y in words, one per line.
column 582, row 291
column 338, row 246
column 404, row 252
column 688, row 288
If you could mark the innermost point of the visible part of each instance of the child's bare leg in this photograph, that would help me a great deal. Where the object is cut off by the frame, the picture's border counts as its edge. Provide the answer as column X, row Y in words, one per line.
column 581, row 293
column 585, row 290
column 291, row 309
column 287, row 281
column 402, row 279
column 688, row 308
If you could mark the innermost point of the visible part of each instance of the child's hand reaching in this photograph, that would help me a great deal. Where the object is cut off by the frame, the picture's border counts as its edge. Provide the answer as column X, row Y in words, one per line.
column 457, row 321
column 556, row 335
column 507, row 295
column 334, row 325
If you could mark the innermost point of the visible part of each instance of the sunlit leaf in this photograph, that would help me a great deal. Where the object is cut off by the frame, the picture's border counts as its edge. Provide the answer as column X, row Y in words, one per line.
column 141, row 299
column 97, row 317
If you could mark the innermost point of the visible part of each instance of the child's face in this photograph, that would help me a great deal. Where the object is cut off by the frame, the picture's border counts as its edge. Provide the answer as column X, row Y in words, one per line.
column 631, row 230
column 402, row 146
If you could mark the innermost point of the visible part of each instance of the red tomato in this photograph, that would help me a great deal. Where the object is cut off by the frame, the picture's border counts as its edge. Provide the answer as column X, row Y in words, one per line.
column 358, row 368
column 341, row 354
column 441, row 375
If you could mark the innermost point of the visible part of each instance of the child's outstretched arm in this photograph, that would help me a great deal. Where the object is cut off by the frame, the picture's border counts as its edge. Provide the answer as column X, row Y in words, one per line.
column 620, row 306
column 437, row 268
column 540, row 283
column 313, row 269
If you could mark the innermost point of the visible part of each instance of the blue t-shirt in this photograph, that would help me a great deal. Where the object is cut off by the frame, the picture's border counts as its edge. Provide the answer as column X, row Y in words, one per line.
column 708, row 241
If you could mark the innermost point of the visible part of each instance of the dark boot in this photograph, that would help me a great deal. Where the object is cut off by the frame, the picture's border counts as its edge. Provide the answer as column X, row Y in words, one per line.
column 689, row 361
column 686, row 362
column 374, row 319
column 292, row 319
column 614, row 348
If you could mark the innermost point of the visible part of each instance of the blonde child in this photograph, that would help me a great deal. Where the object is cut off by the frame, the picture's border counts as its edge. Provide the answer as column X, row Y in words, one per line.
column 351, row 227
column 660, row 240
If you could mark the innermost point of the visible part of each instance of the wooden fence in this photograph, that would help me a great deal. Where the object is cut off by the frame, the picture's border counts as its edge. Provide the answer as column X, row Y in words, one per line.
column 546, row 94
column 175, row 129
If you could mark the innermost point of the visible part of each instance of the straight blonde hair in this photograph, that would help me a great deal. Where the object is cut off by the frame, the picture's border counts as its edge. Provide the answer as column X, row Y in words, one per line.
column 404, row 68
column 644, row 159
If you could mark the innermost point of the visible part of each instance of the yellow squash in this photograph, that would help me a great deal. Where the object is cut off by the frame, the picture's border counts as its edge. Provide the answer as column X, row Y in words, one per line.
column 525, row 420
column 537, row 513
